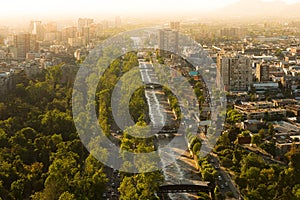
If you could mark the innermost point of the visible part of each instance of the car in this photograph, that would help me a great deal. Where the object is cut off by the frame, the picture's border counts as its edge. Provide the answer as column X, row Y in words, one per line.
column 222, row 186
column 113, row 194
column 104, row 195
column 226, row 184
column 217, row 167
column 220, row 178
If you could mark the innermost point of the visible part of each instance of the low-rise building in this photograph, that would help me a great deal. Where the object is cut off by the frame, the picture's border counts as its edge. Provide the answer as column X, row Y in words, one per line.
column 266, row 86
column 254, row 112
column 253, row 125
column 295, row 110
column 285, row 141
column 284, row 102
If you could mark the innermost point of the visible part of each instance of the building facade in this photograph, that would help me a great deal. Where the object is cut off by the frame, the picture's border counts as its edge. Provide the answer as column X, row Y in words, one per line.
column 235, row 72
column 262, row 72
column 175, row 26
column 23, row 44
column 167, row 41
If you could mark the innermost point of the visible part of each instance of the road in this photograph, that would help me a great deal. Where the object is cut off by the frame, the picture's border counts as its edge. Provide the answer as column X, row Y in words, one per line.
column 225, row 178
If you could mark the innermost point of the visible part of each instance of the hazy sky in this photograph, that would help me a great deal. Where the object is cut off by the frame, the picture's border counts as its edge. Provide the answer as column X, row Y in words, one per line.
column 24, row 9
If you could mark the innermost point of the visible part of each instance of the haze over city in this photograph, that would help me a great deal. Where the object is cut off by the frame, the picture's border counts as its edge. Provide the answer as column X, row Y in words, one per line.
column 18, row 11
column 150, row 99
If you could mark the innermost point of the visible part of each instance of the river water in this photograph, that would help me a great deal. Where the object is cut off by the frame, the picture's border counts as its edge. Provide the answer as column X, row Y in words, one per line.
column 182, row 169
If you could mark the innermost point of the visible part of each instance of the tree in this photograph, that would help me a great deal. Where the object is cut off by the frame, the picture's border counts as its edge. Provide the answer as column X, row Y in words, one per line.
column 226, row 162
column 233, row 116
column 61, row 173
column 207, row 176
column 66, row 196
column 241, row 181
column 269, row 147
column 196, row 148
column 22, row 147
column 271, row 130
column 261, row 132
column 251, row 160
column 203, row 196
column 233, row 133
column 128, row 189
column 55, row 121
column 254, row 194
column 17, row 188
column 3, row 139
column 218, row 194
column 252, row 176
column 296, row 191
column 268, row 176
column 295, row 165
column 3, row 111
column 245, row 133
column 256, row 139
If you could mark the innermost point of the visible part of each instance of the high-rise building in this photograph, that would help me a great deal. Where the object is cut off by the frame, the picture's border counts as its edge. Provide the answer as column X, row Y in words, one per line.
column 105, row 24
column 96, row 30
column 76, row 42
column 51, row 27
column 22, row 45
column 175, row 26
column 51, row 32
column 230, row 32
column 53, row 36
column 37, row 28
column 84, row 22
column 262, row 72
column 86, row 34
column 118, row 22
column 167, row 41
column 235, row 72
column 69, row 32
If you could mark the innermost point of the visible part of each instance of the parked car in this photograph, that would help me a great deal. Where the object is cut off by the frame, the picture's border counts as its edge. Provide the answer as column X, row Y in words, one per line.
column 220, row 178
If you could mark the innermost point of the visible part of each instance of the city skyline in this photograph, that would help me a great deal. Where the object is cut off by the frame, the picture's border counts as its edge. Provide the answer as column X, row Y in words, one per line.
column 13, row 11
column 160, row 100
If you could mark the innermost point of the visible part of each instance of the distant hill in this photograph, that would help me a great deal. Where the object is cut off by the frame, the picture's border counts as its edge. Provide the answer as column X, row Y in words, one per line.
column 247, row 8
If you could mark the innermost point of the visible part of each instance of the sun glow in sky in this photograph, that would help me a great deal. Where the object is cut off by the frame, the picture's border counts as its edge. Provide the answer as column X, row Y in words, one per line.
column 61, row 8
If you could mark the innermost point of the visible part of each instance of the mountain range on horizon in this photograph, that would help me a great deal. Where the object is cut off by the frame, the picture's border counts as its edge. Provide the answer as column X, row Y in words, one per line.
column 248, row 9
column 259, row 8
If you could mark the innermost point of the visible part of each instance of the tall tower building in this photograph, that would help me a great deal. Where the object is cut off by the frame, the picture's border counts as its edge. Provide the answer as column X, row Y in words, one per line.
column 86, row 34
column 51, row 27
column 84, row 22
column 235, row 72
column 175, row 26
column 37, row 28
column 22, row 45
column 230, row 32
column 167, row 41
column 262, row 72
column 118, row 22
column 69, row 32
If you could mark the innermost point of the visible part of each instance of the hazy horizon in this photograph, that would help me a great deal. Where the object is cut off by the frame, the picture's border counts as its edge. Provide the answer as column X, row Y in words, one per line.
column 21, row 11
